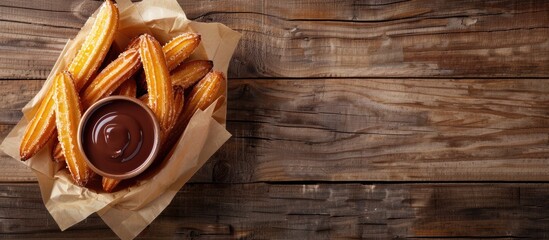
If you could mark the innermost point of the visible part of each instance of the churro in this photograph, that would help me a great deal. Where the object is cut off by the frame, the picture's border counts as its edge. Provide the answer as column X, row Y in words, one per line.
column 83, row 66
column 110, row 78
column 128, row 88
column 202, row 95
column 67, row 117
column 180, row 48
column 97, row 44
column 187, row 74
column 178, row 103
column 175, row 51
column 109, row 184
column 40, row 128
column 159, row 86
column 57, row 152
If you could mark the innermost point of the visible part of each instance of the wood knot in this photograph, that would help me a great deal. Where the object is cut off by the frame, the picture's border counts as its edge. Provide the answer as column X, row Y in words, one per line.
column 221, row 171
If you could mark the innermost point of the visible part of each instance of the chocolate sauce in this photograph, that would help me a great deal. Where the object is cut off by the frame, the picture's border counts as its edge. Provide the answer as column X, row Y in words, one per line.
column 118, row 136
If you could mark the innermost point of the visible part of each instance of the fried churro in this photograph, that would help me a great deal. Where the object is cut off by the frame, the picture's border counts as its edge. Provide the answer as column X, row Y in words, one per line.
column 180, row 48
column 187, row 74
column 175, row 51
column 128, row 88
column 111, row 77
column 202, row 95
column 159, row 85
column 109, row 184
column 57, row 152
column 67, row 117
column 97, row 44
column 42, row 126
column 178, row 103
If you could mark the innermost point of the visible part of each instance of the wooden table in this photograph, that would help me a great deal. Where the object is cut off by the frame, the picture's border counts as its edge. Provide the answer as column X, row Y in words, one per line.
column 350, row 119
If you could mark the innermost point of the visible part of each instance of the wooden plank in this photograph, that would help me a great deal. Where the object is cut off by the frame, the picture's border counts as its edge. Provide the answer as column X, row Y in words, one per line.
column 336, row 10
column 386, row 130
column 369, row 130
column 370, row 39
column 356, row 11
column 12, row 170
column 311, row 211
column 15, row 95
column 465, row 45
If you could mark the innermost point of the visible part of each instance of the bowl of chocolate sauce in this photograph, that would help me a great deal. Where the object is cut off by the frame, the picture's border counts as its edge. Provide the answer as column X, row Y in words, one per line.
column 119, row 136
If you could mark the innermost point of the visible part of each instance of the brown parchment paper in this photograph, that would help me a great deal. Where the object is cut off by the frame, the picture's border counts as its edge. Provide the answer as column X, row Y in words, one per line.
column 128, row 211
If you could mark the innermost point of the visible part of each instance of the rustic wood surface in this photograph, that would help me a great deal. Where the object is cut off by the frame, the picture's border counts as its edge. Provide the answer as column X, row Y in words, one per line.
column 322, row 38
column 350, row 119
column 312, row 211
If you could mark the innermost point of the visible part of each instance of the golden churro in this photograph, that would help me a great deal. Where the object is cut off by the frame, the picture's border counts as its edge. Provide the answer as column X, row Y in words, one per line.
column 97, row 44
column 109, row 183
column 175, row 51
column 67, row 117
column 203, row 94
column 187, row 74
column 178, row 103
column 159, row 86
column 180, row 48
column 128, row 88
column 57, row 152
column 84, row 64
column 110, row 78
column 40, row 128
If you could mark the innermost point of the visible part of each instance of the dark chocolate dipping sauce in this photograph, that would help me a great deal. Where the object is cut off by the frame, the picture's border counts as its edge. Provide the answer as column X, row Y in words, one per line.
column 118, row 136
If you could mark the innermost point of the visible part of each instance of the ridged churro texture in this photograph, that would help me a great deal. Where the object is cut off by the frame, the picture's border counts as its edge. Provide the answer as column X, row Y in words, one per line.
column 180, row 48
column 128, row 88
column 111, row 77
column 159, row 86
column 202, row 95
column 187, row 74
column 178, row 104
column 42, row 126
column 67, row 118
column 175, row 51
column 96, row 45
column 109, row 184
column 57, row 152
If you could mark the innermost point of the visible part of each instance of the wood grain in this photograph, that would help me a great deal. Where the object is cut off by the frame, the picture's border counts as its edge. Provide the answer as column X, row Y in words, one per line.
column 386, row 130
column 339, row 110
column 470, row 45
column 355, row 11
column 310, row 211
column 12, row 170
column 302, row 39
column 370, row 130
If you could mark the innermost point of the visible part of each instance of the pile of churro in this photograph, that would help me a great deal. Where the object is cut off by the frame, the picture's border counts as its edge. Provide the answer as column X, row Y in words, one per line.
column 162, row 77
